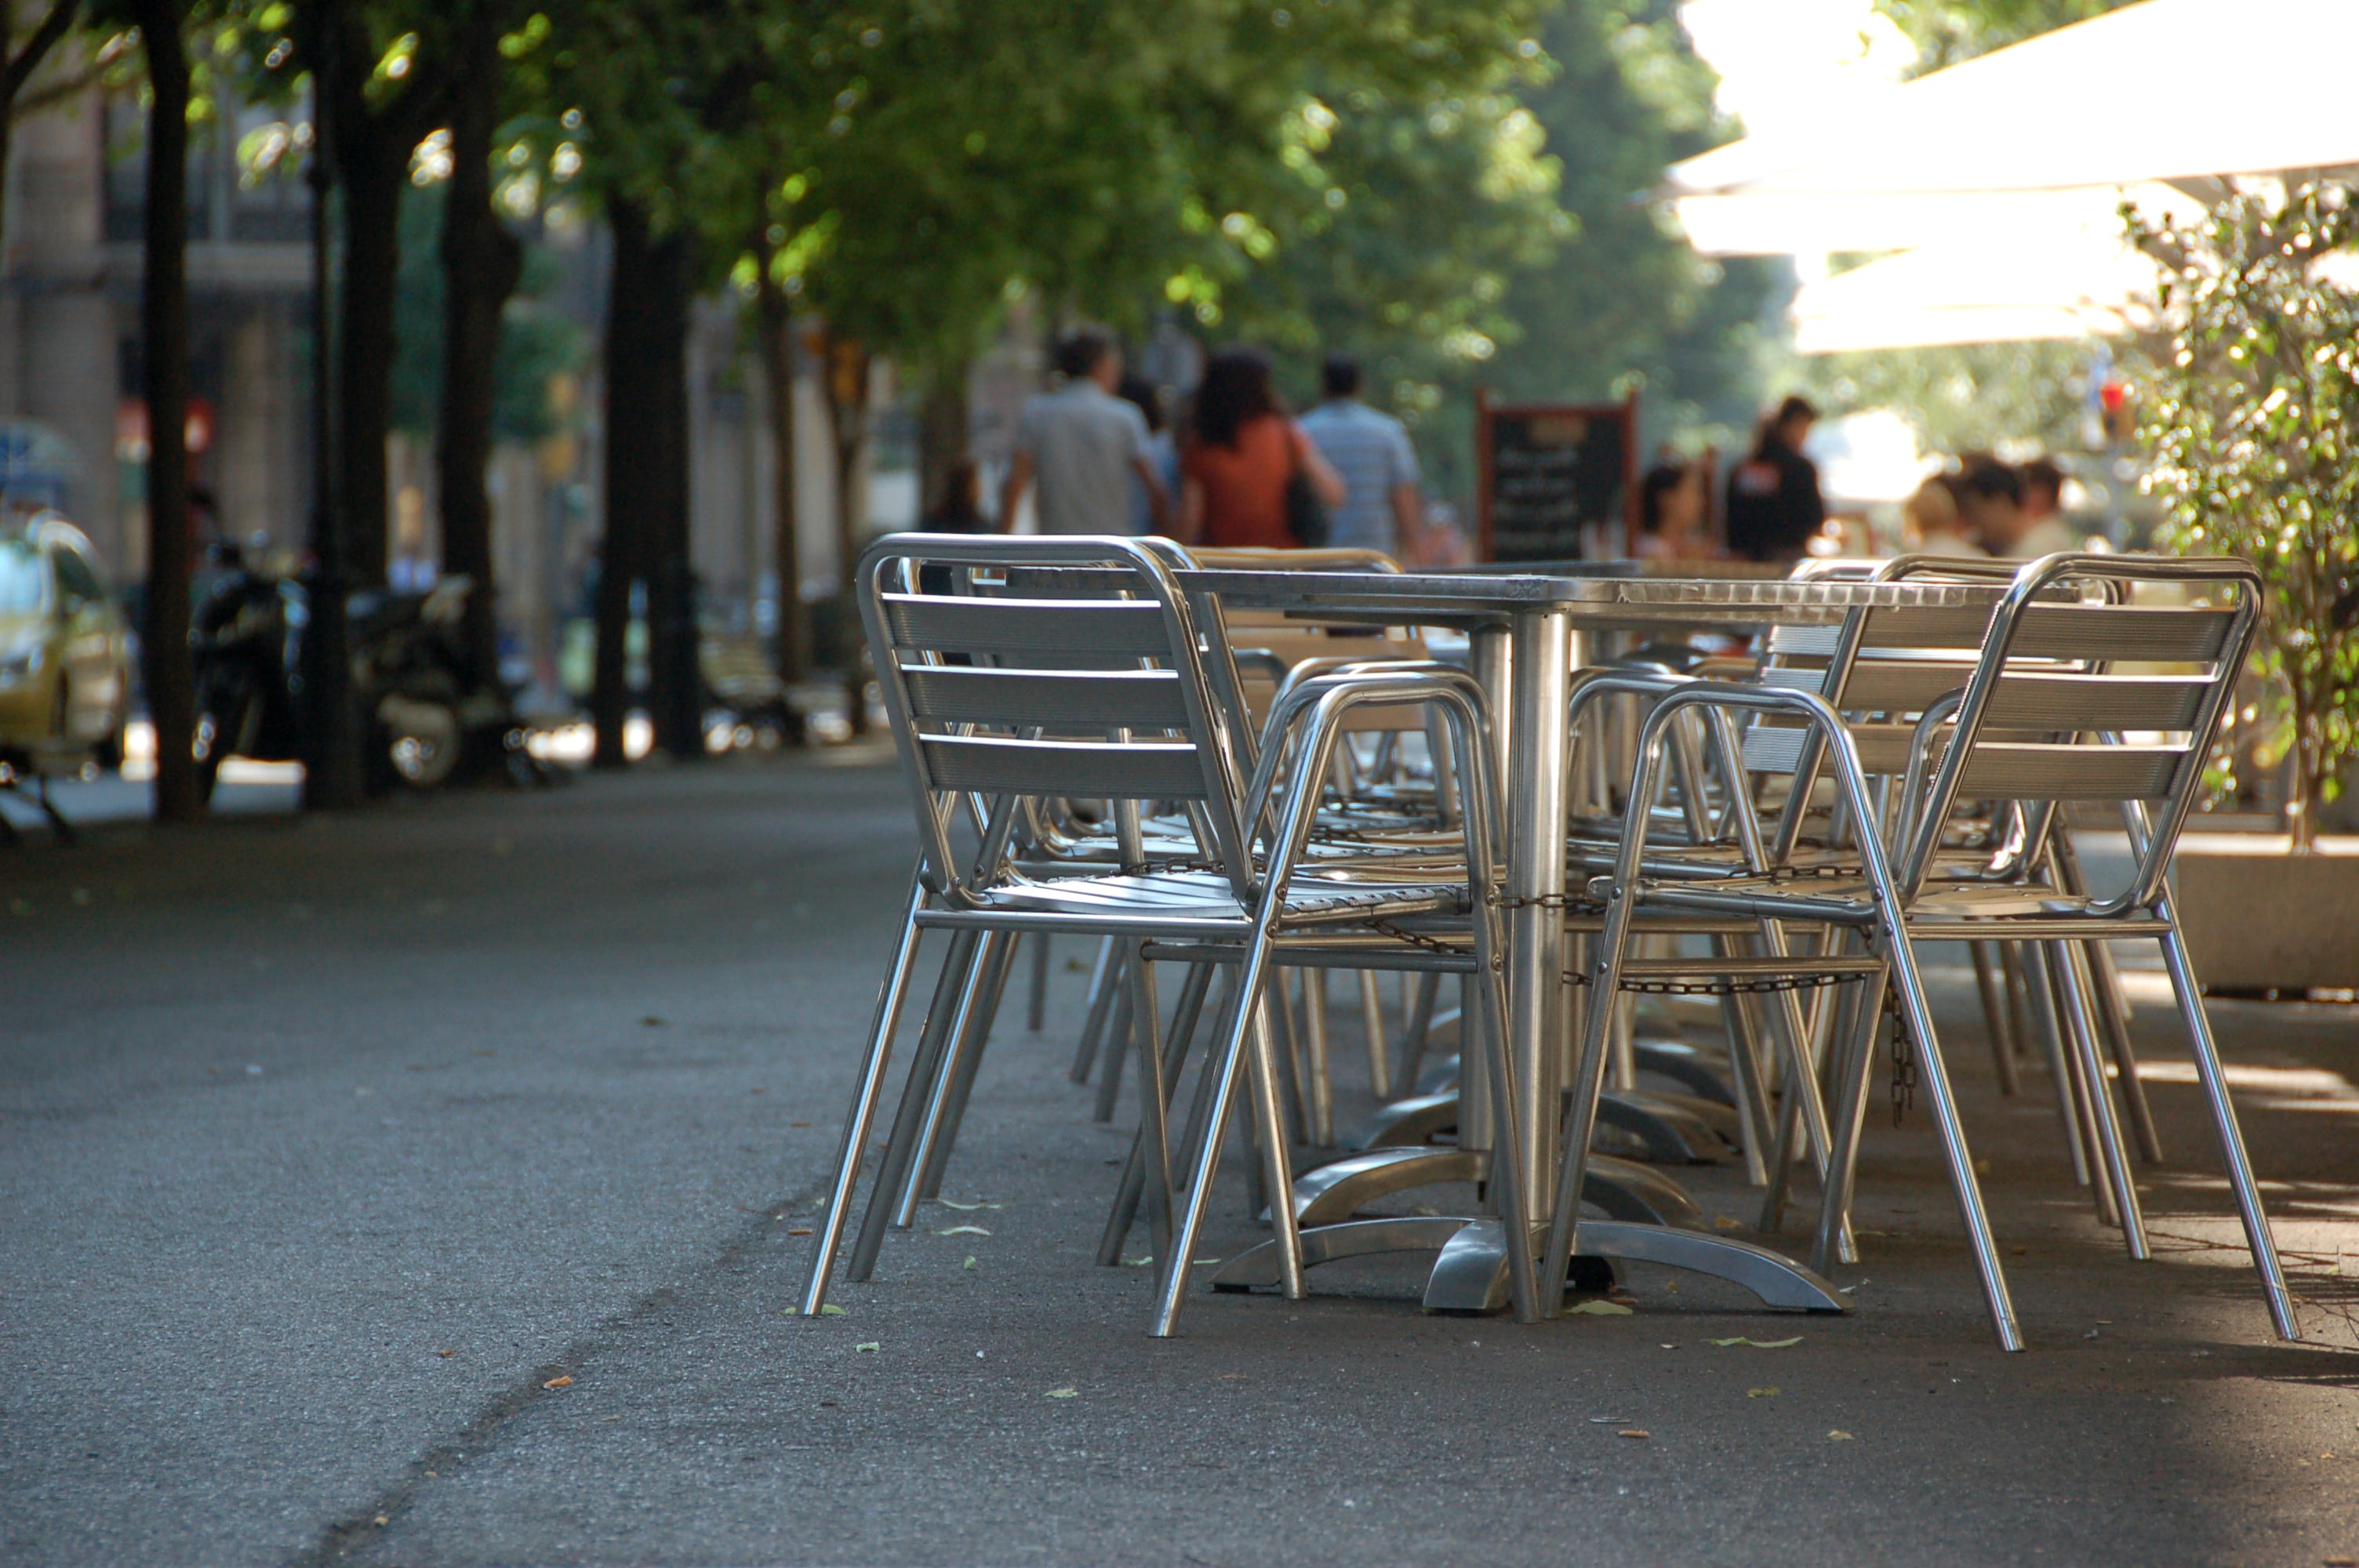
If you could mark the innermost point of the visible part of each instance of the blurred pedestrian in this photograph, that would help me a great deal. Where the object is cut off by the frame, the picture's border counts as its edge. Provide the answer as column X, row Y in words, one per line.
column 2045, row 531
column 1083, row 446
column 1990, row 500
column 1162, row 452
column 1930, row 523
column 1773, row 505
column 1671, row 513
column 1383, row 507
column 1241, row 455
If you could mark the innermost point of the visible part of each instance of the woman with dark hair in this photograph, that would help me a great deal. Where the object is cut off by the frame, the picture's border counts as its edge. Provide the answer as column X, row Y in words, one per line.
column 1671, row 523
column 1241, row 453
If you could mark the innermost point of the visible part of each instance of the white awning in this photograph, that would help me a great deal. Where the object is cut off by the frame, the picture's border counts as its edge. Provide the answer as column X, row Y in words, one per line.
column 2051, row 132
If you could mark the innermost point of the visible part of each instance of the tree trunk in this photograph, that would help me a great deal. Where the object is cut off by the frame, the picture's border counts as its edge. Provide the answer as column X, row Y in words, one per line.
column 774, row 329
column 942, row 434
column 646, row 490
column 374, row 183
column 847, row 404
column 332, row 753
column 622, row 553
column 675, row 691
column 481, row 263
column 164, row 326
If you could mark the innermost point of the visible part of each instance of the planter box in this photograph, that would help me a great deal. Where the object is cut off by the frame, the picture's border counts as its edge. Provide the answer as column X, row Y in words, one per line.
column 2259, row 919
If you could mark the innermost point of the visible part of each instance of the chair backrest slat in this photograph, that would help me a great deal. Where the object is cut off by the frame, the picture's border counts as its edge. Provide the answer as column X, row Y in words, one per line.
column 1130, row 770
column 2009, row 770
column 1022, row 673
column 2162, row 632
column 1137, row 699
column 1118, row 628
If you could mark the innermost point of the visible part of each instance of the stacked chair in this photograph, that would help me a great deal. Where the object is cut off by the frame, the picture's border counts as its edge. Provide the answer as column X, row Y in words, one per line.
column 1022, row 675
column 1902, row 780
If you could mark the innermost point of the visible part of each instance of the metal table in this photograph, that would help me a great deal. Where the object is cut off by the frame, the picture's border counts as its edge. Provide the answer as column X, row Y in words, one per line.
column 1528, row 629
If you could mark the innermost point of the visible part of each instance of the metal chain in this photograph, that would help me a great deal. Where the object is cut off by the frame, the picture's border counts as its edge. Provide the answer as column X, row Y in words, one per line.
column 1765, row 985
column 1539, row 901
column 1904, row 1063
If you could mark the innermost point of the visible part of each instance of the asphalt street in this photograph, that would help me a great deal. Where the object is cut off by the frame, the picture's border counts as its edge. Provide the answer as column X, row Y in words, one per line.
column 425, row 1186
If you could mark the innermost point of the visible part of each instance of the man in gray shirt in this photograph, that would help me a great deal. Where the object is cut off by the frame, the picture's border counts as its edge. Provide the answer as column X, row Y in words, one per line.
column 1383, row 508
column 1083, row 445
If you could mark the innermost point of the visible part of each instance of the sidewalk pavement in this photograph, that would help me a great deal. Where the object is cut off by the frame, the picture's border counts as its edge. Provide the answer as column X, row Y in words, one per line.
column 337, row 1146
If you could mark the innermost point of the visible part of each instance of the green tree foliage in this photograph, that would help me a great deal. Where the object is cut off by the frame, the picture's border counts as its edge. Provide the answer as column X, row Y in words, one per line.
column 1577, row 287
column 538, row 343
column 1977, row 397
column 2251, row 410
column 1948, row 31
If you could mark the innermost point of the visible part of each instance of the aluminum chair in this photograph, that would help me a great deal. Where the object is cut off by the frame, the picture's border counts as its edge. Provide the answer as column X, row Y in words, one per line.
column 1076, row 667
column 2048, row 714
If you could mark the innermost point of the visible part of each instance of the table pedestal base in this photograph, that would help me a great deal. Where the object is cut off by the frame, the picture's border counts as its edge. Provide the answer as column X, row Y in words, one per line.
column 1470, row 1274
column 1336, row 1191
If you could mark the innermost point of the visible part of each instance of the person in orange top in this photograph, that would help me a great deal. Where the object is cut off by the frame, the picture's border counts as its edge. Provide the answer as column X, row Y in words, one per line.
column 1241, row 451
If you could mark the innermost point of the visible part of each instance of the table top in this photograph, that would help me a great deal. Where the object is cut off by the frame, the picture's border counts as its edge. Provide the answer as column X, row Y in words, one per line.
column 1595, row 598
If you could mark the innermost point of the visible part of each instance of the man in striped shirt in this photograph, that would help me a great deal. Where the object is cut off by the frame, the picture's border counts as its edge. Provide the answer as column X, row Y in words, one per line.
column 1383, row 508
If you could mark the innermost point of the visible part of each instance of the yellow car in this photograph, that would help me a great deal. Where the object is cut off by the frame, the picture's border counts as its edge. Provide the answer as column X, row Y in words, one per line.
column 65, row 670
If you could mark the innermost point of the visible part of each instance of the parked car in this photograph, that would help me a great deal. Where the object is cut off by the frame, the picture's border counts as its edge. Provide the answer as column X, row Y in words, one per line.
column 65, row 658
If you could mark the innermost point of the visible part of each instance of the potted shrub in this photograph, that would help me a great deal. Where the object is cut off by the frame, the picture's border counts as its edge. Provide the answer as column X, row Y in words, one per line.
column 2251, row 411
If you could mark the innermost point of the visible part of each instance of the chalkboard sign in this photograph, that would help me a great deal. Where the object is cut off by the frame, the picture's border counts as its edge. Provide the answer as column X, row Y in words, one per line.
column 1552, row 475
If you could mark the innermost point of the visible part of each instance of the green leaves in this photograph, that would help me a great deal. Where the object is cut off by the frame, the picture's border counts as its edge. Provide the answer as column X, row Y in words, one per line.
column 2250, row 410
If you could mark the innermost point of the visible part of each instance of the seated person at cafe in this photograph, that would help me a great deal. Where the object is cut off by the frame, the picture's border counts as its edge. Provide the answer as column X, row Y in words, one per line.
column 1989, row 502
column 2045, row 530
column 1671, row 514
column 1929, row 521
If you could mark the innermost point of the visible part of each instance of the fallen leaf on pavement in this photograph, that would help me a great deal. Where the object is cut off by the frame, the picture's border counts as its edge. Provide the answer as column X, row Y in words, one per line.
column 559, row 1383
column 797, row 1229
column 967, row 1264
column 869, row 1346
column 1600, row 1309
column 1064, row 1393
column 446, row 1355
column 1839, row 1437
column 1724, row 1222
column 1756, row 1344
column 963, row 1207
column 1768, row 1393
column 1634, row 1432
column 964, row 1230
column 831, row 1309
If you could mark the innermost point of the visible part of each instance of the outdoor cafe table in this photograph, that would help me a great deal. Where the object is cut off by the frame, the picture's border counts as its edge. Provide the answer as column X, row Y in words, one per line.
column 1529, row 631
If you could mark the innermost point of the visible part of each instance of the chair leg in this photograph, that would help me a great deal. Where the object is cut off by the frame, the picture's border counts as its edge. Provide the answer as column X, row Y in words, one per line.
column 958, row 1085
column 1371, row 1024
column 1154, row 1096
column 1857, row 1028
column 2223, row 1123
column 1117, row 1030
column 2018, row 1015
column 1424, row 987
column 925, row 1066
column 1248, row 1034
column 1133, row 1188
column 1996, row 1020
column 1744, row 1031
column 2113, row 1021
column 1314, row 1039
column 2040, row 1003
column 1935, row 1075
column 2064, row 959
column 1036, row 1014
column 863, row 1114
column 1102, row 987
column 2047, row 1000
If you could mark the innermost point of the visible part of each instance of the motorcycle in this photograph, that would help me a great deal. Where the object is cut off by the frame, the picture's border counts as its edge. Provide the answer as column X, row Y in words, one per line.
column 409, row 676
